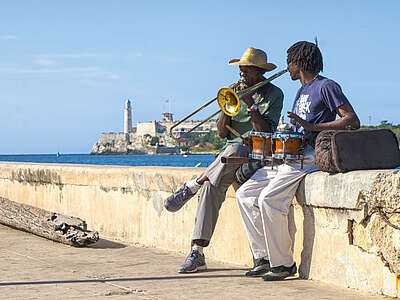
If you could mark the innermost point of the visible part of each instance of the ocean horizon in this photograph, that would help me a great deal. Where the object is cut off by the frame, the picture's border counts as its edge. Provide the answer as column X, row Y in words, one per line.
column 177, row 160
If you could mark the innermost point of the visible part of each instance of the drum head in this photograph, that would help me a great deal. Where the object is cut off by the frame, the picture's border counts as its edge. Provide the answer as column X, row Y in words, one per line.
column 260, row 133
column 282, row 134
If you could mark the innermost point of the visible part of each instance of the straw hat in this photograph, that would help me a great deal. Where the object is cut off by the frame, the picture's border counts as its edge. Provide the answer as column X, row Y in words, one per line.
column 253, row 57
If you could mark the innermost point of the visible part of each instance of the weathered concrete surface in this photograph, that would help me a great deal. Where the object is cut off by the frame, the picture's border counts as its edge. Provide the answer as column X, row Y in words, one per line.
column 346, row 190
column 125, row 203
column 35, row 268
column 372, row 201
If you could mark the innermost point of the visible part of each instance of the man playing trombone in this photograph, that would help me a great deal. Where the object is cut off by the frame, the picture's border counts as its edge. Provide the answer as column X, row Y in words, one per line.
column 259, row 111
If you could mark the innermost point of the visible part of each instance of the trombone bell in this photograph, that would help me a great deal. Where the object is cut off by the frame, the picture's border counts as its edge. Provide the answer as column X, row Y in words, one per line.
column 228, row 101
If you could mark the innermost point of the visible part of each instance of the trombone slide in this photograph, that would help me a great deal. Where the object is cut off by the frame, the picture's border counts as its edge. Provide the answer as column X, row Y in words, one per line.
column 228, row 101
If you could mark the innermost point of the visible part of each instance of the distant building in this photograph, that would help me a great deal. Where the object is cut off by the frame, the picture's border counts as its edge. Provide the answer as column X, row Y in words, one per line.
column 167, row 117
column 162, row 127
column 136, row 140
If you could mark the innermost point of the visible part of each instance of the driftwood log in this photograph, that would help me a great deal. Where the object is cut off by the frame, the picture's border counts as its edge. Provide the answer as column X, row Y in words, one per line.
column 64, row 229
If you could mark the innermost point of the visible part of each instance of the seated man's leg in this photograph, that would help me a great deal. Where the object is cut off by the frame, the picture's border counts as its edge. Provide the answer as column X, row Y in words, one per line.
column 274, row 202
column 214, row 172
column 217, row 170
column 247, row 196
column 210, row 201
column 212, row 195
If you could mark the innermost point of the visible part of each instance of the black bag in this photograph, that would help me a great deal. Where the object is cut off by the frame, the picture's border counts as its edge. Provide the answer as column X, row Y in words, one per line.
column 338, row 151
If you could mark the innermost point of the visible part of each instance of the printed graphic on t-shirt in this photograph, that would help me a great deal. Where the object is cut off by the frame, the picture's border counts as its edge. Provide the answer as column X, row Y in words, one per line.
column 303, row 106
column 316, row 103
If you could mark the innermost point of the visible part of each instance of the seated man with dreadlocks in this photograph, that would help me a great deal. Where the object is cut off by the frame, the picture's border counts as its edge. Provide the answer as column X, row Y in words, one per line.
column 265, row 198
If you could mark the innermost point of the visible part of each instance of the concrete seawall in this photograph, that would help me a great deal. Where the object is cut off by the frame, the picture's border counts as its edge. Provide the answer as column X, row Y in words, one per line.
column 344, row 225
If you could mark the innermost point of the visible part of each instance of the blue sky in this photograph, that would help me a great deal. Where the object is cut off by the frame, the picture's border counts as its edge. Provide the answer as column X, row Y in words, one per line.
column 67, row 67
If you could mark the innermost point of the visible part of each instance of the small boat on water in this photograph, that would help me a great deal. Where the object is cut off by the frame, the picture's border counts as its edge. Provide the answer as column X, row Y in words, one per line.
column 58, row 154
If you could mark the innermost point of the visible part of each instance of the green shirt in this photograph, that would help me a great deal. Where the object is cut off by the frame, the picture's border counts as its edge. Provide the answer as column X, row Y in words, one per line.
column 270, row 103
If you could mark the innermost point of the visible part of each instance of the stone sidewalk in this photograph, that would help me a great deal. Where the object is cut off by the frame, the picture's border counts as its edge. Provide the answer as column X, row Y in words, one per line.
column 35, row 268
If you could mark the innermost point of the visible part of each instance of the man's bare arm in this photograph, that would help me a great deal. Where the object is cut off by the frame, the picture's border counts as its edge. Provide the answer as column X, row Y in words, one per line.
column 223, row 120
column 348, row 120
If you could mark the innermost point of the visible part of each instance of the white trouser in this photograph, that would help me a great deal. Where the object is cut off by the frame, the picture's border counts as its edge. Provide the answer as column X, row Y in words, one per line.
column 264, row 202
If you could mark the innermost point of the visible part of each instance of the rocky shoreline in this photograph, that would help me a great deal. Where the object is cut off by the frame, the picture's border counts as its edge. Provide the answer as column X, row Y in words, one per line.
column 131, row 144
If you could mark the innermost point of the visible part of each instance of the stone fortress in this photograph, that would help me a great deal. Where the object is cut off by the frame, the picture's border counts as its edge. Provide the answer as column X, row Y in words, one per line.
column 148, row 137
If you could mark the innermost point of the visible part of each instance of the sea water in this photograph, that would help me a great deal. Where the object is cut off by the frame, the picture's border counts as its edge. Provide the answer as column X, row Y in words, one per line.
column 191, row 160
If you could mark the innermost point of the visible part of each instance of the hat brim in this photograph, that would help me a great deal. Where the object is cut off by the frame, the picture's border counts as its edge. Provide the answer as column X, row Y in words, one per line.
column 266, row 67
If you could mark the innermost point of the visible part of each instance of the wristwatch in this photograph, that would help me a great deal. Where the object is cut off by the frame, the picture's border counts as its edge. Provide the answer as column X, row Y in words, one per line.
column 254, row 107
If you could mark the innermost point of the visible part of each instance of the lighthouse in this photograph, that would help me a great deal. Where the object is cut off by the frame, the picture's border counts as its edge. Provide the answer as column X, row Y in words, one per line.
column 128, row 117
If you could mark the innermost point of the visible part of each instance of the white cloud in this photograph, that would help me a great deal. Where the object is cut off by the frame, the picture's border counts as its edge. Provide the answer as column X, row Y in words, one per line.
column 51, row 59
column 49, row 64
column 44, row 61
column 8, row 37
column 134, row 55
column 59, row 70
column 74, row 72
column 113, row 76
column 76, row 55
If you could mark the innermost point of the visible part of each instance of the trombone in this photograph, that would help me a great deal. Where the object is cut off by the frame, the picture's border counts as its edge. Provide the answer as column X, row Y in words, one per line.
column 228, row 100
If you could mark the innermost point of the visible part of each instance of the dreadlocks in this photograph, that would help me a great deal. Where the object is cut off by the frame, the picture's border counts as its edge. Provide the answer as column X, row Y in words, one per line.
column 306, row 55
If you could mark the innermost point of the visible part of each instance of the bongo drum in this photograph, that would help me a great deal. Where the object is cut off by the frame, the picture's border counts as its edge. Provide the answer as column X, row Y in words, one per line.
column 288, row 145
column 262, row 144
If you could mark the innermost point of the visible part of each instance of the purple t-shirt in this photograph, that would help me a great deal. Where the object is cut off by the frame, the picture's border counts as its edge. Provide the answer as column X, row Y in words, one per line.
column 316, row 102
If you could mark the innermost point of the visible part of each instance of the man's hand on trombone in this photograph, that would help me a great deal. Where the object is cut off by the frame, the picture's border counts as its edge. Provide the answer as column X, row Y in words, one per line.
column 250, row 99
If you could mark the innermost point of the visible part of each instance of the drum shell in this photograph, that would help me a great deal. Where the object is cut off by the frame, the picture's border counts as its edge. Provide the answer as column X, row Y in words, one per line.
column 261, row 144
column 293, row 143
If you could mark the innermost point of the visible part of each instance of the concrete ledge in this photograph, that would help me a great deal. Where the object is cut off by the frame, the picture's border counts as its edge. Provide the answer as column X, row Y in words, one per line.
column 339, row 237
column 339, row 190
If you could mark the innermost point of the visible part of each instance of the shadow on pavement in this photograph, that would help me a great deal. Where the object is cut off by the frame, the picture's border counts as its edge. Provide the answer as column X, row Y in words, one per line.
column 223, row 269
column 183, row 276
column 106, row 244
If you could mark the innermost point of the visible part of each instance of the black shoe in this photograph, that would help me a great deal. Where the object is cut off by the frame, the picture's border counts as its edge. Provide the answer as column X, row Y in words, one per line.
column 280, row 273
column 261, row 266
